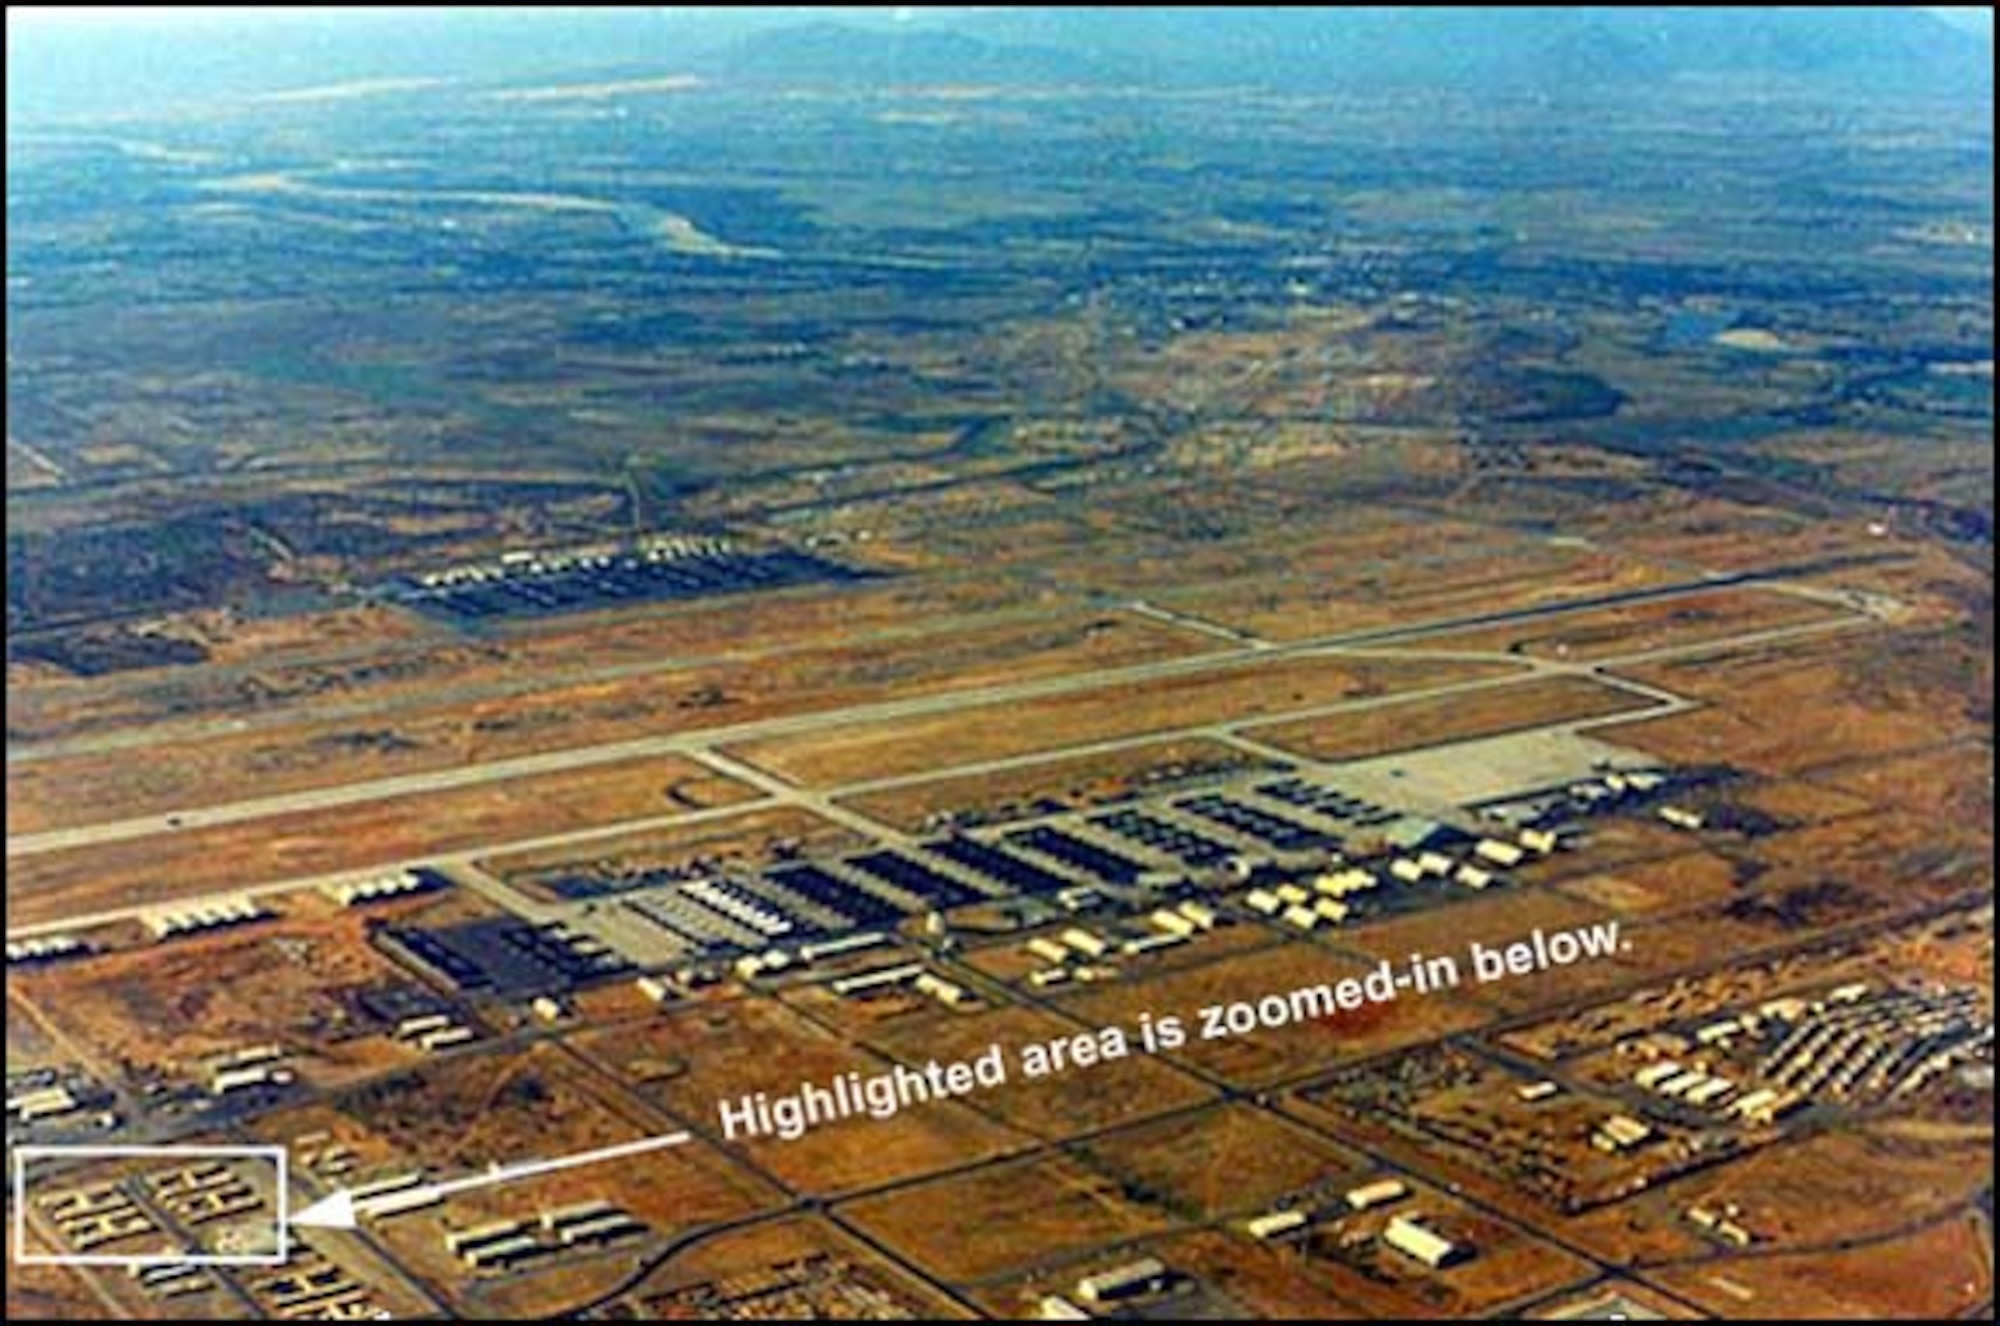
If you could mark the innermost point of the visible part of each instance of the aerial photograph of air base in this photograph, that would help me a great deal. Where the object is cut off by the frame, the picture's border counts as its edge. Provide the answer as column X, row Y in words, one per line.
column 980, row 662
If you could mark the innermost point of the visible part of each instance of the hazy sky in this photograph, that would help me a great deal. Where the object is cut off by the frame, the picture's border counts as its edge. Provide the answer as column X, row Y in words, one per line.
column 159, row 13
column 209, row 13
column 149, row 14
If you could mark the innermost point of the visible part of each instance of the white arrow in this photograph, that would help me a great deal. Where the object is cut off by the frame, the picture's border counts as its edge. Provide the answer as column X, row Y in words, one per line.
column 339, row 1210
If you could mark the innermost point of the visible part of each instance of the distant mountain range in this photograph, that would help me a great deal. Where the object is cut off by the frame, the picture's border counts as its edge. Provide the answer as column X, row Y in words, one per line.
column 56, row 69
column 851, row 56
column 1549, row 48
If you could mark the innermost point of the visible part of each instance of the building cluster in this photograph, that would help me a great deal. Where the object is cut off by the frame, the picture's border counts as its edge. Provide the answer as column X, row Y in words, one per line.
column 534, row 562
column 1860, row 1044
column 1276, row 1224
column 171, row 923
column 395, row 884
column 1694, row 1084
column 1382, row 1192
column 1409, row 1235
column 40, row 1104
column 1076, row 952
column 1852, row 1044
column 47, row 948
column 1681, row 817
column 203, row 1193
column 773, row 960
column 499, row 1244
column 1299, row 1216
column 393, row 1195
column 56, row 1095
column 1722, row 1223
column 1329, row 899
column 431, row 1032
column 1123, row 1284
column 1407, row 1232
column 311, row 1288
column 1611, row 791
column 247, row 1069
column 318, row 1152
column 1297, row 906
column 170, row 1279
column 88, row 1218
column 913, row 975
column 1620, row 1132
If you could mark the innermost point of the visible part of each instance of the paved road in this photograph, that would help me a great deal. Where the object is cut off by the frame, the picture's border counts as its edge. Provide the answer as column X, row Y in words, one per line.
column 828, row 801
column 699, row 740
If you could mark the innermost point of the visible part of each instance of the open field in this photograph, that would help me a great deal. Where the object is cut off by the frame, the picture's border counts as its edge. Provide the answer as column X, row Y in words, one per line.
column 1282, row 608
column 1798, row 1196
column 1052, row 1108
column 1495, row 917
column 1870, row 695
column 1369, row 576
column 1413, row 724
column 1103, row 714
column 1942, row 1271
column 691, row 1061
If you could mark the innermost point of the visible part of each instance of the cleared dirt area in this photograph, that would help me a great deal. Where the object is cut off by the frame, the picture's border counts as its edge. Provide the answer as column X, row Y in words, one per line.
column 45, row 1293
column 750, row 1262
column 196, row 860
column 1004, row 1217
column 1670, row 884
column 1230, row 1161
column 1100, row 714
column 161, row 1008
column 1412, row 724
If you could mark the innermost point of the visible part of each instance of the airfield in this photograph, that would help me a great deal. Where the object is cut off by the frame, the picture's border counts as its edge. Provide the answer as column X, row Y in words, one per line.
column 592, row 931
column 539, row 612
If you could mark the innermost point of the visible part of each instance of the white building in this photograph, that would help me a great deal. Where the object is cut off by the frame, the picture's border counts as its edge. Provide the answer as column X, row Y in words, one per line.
column 1428, row 1246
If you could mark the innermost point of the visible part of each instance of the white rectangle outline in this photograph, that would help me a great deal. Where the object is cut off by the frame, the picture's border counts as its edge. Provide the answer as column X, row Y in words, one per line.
column 22, row 1154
